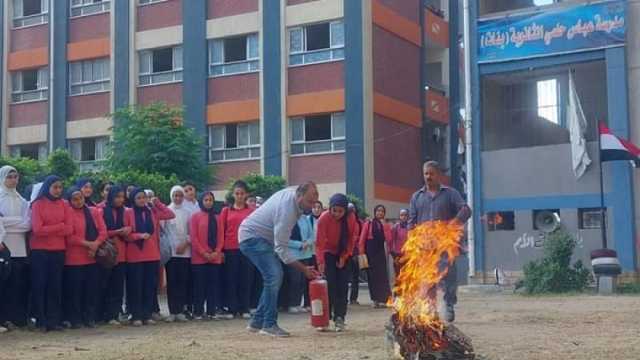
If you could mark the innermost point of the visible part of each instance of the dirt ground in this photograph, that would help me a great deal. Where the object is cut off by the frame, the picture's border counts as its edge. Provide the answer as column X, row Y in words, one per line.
column 502, row 326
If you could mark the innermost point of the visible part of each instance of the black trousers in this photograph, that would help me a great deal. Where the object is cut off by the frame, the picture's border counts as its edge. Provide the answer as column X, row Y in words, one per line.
column 81, row 293
column 46, row 286
column 142, row 288
column 15, row 299
column 354, row 278
column 178, row 271
column 206, row 279
column 236, row 272
column 112, row 292
column 295, row 280
column 338, row 281
column 255, row 286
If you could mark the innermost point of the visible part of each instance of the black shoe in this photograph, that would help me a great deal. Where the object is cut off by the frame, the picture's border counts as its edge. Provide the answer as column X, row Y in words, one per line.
column 55, row 328
column 90, row 324
column 76, row 326
column 450, row 314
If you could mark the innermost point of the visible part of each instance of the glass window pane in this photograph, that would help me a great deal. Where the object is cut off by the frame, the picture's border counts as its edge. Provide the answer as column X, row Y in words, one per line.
column 235, row 49
column 317, row 57
column 216, row 155
column 145, row 62
column 162, row 60
column 254, row 130
column 236, row 154
column 75, row 72
column 231, row 136
column 338, row 145
column 296, row 40
column 254, row 48
column 106, row 69
column 216, row 137
column 297, row 129
column 29, row 80
column 177, row 58
column 318, row 37
column 324, row 146
column 75, row 149
column 296, row 59
column 97, row 70
column 337, row 54
column 338, row 125
column 297, row 149
column 16, row 81
column 43, row 78
column 337, row 34
column 87, row 71
column 216, row 50
column 17, row 9
column 243, row 135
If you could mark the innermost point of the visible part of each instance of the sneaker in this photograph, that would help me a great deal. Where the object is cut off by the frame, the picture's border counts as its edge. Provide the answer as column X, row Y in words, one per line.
column 449, row 314
column 67, row 324
column 252, row 311
column 305, row 309
column 136, row 323
column 114, row 322
column 253, row 328
column 123, row 318
column 198, row 318
column 157, row 317
column 340, row 325
column 10, row 326
column 223, row 315
column 246, row 316
column 181, row 318
column 170, row 318
column 150, row 322
column 3, row 329
column 294, row 310
column 354, row 302
column 275, row 331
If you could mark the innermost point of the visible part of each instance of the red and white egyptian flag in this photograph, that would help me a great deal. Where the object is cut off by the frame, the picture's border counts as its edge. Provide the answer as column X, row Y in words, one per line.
column 613, row 148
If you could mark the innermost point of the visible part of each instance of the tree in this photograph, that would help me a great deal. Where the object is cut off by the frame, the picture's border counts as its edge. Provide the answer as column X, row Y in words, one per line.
column 154, row 139
column 60, row 163
column 259, row 185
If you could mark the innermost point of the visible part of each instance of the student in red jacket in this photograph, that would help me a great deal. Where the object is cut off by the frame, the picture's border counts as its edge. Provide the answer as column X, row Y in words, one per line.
column 375, row 235
column 143, row 254
column 81, row 273
column 236, row 265
column 51, row 219
column 113, row 292
column 337, row 234
column 86, row 187
column 207, row 242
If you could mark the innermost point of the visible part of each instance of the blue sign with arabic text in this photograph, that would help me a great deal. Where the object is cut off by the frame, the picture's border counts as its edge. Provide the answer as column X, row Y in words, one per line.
column 555, row 31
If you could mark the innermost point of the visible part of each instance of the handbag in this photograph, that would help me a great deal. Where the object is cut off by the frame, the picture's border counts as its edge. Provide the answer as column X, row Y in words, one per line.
column 363, row 261
column 167, row 233
column 107, row 254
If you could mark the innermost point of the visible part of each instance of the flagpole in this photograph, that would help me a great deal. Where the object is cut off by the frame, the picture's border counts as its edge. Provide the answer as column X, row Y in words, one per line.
column 603, row 213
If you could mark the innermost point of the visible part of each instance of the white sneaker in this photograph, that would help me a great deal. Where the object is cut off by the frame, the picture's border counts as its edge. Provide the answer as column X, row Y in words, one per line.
column 181, row 318
column 114, row 323
column 295, row 310
column 150, row 322
column 246, row 316
column 3, row 329
column 157, row 317
column 171, row 318
column 136, row 323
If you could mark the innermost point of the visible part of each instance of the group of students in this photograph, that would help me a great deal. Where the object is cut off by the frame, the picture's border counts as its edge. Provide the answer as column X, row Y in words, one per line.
column 52, row 241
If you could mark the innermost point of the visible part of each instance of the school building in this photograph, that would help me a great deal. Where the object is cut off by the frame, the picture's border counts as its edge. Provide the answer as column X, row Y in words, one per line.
column 528, row 58
column 351, row 94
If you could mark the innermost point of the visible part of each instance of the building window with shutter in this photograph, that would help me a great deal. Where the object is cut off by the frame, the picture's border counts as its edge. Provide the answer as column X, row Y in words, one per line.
column 89, row 7
column 88, row 152
column 317, row 43
column 30, row 85
column 160, row 66
column 89, row 76
column 36, row 151
column 234, row 142
column 317, row 134
column 30, row 13
column 234, row 55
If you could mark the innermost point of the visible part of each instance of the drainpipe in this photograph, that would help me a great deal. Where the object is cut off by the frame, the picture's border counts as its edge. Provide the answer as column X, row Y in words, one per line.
column 468, row 133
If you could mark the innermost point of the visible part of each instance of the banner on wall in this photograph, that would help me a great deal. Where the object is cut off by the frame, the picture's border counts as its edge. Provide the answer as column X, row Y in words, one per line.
column 555, row 31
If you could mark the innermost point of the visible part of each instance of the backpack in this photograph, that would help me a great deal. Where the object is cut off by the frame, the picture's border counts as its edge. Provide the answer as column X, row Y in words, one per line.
column 107, row 254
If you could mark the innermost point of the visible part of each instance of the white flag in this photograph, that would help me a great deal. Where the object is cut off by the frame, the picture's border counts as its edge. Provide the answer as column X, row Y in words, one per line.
column 577, row 128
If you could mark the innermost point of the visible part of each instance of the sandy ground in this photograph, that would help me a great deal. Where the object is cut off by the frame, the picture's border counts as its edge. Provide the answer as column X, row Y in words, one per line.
column 502, row 326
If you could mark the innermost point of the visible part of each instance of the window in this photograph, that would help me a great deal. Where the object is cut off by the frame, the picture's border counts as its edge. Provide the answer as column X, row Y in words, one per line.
column 30, row 12
column 501, row 221
column 30, row 85
column 590, row 218
column 234, row 142
column 317, row 134
column 147, row 2
column 31, row 151
column 234, row 55
column 88, row 149
column 160, row 66
column 548, row 101
column 89, row 76
column 316, row 43
column 89, row 7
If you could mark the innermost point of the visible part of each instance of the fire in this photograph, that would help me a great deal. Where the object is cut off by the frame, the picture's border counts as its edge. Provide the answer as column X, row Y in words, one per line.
column 497, row 219
column 427, row 254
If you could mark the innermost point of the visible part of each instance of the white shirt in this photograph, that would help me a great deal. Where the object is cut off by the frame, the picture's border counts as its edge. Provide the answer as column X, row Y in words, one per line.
column 16, row 220
column 180, row 226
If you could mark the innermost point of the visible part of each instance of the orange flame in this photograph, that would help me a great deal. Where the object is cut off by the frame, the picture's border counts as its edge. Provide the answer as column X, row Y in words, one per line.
column 429, row 247
column 497, row 219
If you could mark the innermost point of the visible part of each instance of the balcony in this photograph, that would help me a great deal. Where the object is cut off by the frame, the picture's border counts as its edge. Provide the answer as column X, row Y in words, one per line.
column 436, row 105
column 436, row 29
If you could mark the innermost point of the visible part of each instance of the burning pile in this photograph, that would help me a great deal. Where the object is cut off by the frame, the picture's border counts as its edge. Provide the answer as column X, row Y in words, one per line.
column 415, row 325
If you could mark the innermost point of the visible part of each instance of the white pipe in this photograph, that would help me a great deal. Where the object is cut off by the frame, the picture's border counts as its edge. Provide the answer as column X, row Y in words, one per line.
column 468, row 132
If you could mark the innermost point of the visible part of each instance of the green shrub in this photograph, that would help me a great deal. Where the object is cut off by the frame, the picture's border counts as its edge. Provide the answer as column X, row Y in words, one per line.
column 160, row 184
column 629, row 288
column 553, row 273
column 362, row 211
column 60, row 163
column 259, row 185
column 31, row 171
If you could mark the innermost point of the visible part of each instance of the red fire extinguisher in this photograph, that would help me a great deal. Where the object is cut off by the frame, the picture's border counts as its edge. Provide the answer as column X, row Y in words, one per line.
column 319, row 294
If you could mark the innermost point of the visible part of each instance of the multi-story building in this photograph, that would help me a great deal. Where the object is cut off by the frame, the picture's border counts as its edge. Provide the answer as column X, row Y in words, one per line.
column 351, row 94
column 528, row 57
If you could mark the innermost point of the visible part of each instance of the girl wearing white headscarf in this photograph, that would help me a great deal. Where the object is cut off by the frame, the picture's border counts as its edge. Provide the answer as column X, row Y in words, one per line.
column 16, row 219
column 179, row 267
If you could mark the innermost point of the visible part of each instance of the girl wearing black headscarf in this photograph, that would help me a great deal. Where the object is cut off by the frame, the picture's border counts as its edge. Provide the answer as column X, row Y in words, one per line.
column 51, row 220
column 337, row 234
column 375, row 234
column 113, row 214
column 81, row 273
column 207, row 243
column 86, row 188
column 143, row 254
